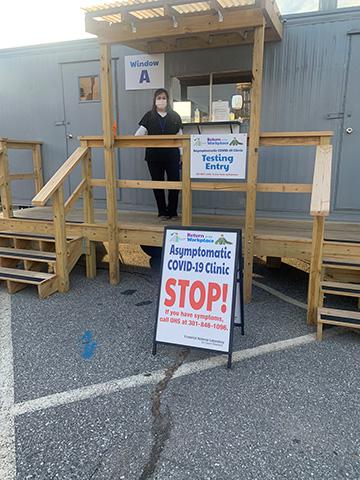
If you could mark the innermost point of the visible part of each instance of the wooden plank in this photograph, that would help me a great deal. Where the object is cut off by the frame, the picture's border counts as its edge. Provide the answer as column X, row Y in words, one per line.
column 284, row 187
column 162, row 28
column 13, row 141
column 59, row 177
column 48, row 287
column 60, row 240
column 272, row 18
column 266, row 139
column 89, row 215
column 148, row 184
column 186, row 187
column 334, row 312
column 219, row 186
column 315, row 268
column 37, row 165
column 22, row 274
column 321, row 190
column 253, row 157
column 74, row 197
column 21, row 176
column 109, row 160
column 5, row 192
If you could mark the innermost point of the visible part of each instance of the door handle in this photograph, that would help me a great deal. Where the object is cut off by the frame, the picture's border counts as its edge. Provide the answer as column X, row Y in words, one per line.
column 349, row 130
column 69, row 135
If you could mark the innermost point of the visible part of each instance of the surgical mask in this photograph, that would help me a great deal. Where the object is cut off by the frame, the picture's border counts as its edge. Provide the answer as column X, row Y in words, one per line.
column 161, row 103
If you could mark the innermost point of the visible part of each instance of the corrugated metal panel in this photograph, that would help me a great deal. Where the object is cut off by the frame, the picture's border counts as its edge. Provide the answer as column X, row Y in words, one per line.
column 303, row 82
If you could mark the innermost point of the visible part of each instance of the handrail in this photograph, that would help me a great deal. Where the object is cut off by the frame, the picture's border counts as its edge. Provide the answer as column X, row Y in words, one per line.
column 267, row 139
column 321, row 189
column 58, row 178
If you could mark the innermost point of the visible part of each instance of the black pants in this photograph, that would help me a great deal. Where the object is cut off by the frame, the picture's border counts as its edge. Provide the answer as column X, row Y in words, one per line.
column 157, row 171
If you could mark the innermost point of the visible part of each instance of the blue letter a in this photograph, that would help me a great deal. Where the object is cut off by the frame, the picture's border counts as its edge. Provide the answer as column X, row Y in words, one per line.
column 144, row 76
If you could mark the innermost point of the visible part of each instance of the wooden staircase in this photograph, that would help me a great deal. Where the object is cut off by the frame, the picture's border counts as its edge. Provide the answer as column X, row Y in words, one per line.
column 340, row 276
column 30, row 259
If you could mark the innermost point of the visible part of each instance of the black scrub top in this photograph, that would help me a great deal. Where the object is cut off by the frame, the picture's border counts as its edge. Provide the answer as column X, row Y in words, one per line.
column 155, row 124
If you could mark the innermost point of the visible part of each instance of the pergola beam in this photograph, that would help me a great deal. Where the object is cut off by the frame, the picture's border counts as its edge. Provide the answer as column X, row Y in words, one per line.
column 190, row 25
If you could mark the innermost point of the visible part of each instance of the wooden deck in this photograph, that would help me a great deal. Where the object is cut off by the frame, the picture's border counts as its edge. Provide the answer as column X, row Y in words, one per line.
column 273, row 236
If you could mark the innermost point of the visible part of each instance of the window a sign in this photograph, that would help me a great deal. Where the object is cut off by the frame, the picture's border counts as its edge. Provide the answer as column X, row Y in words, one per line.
column 144, row 72
column 218, row 156
column 199, row 272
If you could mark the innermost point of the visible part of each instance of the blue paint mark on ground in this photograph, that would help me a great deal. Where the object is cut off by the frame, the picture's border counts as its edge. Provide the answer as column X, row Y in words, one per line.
column 88, row 345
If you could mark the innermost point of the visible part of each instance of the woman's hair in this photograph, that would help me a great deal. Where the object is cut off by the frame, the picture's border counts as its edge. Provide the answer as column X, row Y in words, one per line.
column 156, row 94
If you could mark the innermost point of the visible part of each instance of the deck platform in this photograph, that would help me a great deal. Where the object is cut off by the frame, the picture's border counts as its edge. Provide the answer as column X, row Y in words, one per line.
column 275, row 237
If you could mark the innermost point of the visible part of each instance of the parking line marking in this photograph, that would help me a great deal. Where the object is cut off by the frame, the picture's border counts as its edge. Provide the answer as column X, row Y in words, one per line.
column 7, row 422
column 113, row 386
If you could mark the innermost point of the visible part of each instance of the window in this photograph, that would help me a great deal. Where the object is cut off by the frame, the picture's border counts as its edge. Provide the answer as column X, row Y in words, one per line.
column 89, row 89
column 209, row 97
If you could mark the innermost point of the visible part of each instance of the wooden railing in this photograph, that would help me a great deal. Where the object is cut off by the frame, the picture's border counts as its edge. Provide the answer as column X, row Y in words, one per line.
column 319, row 190
column 54, row 190
column 6, row 177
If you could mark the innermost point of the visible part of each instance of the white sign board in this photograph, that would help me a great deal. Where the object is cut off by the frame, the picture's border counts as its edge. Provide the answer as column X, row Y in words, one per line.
column 198, row 285
column 144, row 72
column 218, row 156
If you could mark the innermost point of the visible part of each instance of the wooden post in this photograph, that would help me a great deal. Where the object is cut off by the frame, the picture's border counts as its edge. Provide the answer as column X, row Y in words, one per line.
column 5, row 191
column 60, row 240
column 37, row 164
column 314, row 300
column 109, row 159
column 89, row 216
column 186, row 186
column 315, row 268
column 253, row 157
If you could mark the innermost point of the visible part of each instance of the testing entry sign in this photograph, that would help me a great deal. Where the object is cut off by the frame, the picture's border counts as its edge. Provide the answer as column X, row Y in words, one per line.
column 218, row 156
column 198, row 287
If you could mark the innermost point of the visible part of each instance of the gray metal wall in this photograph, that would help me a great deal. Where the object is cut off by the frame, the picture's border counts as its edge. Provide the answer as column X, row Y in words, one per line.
column 304, row 81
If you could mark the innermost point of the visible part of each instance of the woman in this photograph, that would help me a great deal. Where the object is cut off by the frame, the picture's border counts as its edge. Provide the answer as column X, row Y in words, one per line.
column 162, row 120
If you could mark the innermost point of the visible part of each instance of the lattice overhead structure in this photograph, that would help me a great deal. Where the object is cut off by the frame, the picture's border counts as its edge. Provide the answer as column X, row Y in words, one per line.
column 157, row 26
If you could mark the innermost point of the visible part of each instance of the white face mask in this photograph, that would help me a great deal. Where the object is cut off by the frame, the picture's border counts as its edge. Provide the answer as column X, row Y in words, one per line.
column 160, row 103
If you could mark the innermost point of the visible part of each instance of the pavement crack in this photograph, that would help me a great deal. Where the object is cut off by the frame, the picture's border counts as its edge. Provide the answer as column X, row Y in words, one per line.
column 161, row 426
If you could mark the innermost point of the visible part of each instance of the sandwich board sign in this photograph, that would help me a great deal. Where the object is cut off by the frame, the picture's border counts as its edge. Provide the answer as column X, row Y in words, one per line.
column 219, row 156
column 200, row 269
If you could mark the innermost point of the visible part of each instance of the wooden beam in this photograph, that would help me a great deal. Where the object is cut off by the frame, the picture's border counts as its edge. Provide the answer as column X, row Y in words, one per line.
column 74, row 197
column 272, row 18
column 186, row 187
column 59, row 177
column 315, row 268
column 5, row 191
column 60, row 240
column 21, row 176
column 321, row 187
column 37, row 165
column 253, row 157
column 109, row 160
column 161, row 28
column 89, row 215
column 219, row 186
column 284, row 187
column 149, row 184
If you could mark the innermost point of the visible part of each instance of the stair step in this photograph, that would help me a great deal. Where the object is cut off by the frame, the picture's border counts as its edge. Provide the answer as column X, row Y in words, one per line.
column 344, row 263
column 334, row 316
column 337, row 240
column 339, row 288
column 34, row 255
column 25, row 276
